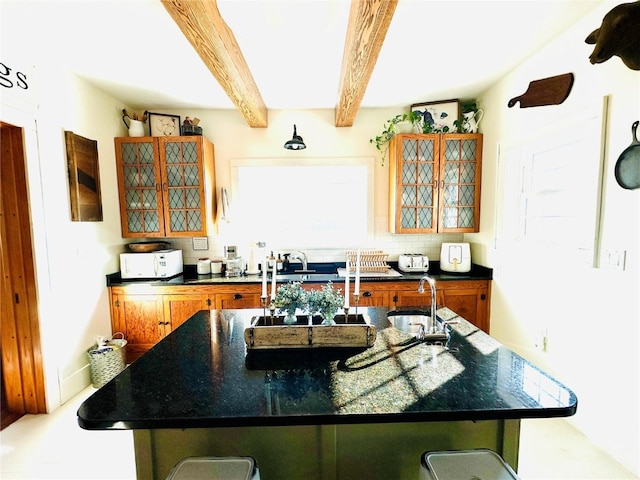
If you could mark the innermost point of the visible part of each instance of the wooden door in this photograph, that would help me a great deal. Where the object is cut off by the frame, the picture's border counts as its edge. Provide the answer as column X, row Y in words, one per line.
column 237, row 300
column 406, row 295
column 371, row 295
column 22, row 369
column 179, row 308
column 460, row 174
column 413, row 183
column 141, row 319
column 139, row 187
column 471, row 304
column 183, row 181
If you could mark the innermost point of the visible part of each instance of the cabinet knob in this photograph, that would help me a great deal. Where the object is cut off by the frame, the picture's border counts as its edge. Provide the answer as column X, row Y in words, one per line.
column 483, row 297
column 237, row 296
column 366, row 294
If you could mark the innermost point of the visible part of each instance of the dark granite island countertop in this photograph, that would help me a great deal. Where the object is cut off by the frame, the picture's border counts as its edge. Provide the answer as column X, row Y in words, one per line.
column 201, row 377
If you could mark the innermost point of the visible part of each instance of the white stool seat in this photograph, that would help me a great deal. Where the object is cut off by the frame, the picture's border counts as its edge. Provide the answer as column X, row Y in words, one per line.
column 215, row 468
column 455, row 465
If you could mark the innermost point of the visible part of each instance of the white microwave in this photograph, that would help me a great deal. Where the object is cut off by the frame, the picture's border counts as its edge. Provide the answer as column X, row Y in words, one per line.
column 159, row 264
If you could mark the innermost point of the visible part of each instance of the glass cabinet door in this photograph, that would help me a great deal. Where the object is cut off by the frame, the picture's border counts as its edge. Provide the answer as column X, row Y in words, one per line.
column 181, row 158
column 460, row 183
column 418, row 183
column 139, row 178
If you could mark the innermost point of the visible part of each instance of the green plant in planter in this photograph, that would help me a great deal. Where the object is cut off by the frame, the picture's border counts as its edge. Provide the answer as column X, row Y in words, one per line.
column 390, row 129
column 289, row 297
column 326, row 302
column 467, row 107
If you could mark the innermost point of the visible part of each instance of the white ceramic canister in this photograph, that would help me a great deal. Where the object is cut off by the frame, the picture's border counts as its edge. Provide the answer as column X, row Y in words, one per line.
column 216, row 266
column 203, row 266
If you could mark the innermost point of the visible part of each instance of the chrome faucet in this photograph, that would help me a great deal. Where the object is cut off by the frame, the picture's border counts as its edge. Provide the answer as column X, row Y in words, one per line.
column 431, row 326
column 301, row 257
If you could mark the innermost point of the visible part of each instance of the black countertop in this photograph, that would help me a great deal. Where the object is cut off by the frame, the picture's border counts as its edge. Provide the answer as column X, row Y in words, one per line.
column 201, row 375
column 190, row 276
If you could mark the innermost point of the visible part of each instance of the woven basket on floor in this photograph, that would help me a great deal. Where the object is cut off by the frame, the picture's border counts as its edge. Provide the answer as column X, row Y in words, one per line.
column 106, row 364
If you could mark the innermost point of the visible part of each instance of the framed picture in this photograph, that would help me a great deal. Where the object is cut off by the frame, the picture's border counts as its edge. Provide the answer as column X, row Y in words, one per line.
column 84, row 178
column 439, row 115
column 163, row 125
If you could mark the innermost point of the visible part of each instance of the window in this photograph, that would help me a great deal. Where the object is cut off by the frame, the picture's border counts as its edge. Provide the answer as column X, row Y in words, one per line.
column 552, row 192
column 299, row 204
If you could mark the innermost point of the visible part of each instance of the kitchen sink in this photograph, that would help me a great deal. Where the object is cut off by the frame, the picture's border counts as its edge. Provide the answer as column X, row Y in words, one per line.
column 411, row 321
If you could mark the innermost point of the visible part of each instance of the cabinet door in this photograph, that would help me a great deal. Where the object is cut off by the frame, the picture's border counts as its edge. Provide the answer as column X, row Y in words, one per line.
column 183, row 184
column 371, row 295
column 139, row 187
column 141, row 319
column 242, row 296
column 459, row 192
column 413, row 164
column 411, row 298
column 470, row 303
column 179, row 308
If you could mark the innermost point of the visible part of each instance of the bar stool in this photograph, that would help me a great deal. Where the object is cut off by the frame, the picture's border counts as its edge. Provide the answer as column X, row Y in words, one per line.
column 454, row 465
column 215, row 468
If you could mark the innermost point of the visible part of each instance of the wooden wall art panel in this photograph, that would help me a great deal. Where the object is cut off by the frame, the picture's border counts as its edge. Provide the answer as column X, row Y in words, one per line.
column 84, row 178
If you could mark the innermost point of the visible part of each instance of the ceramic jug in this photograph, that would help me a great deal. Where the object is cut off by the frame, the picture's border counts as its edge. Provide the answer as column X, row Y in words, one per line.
column 472, row 120
column 136, row 127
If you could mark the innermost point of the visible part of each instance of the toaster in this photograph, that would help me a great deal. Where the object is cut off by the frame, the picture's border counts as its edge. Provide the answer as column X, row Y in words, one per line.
column 413, row 262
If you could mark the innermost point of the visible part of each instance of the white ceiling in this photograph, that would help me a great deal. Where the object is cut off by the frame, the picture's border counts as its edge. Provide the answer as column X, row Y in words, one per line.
column 434, row 50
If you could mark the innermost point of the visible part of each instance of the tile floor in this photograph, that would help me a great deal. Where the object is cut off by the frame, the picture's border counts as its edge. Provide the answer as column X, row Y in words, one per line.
column 43, row 447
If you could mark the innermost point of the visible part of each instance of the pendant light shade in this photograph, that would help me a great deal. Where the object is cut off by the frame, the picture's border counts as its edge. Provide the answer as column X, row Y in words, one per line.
column 296, row 143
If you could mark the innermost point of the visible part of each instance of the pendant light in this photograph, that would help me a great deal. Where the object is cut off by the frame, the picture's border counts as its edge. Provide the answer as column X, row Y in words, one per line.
column 296, row 143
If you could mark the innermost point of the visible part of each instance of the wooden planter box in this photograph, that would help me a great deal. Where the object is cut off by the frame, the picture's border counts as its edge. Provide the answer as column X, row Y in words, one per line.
column 271, row 333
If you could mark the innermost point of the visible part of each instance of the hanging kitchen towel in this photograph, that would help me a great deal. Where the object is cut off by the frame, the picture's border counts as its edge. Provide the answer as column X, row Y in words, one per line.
column 224, row 209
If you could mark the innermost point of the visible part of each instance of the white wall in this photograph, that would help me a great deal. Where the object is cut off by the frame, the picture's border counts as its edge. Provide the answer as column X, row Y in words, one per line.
column 72, row 258
column 591, row 315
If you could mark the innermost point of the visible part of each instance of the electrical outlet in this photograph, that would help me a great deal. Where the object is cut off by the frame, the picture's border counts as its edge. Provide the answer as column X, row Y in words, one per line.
column 614, row 259
column 541, row 342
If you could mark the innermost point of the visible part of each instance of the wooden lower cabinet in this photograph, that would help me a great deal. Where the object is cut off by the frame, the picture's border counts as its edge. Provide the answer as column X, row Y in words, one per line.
column 146, row 318
column 371, row 295
column 145, row 315
column 470, row 301
column 238, row 296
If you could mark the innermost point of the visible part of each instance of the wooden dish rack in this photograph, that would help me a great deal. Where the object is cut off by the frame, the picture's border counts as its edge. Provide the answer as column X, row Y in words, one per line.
column 370, row 260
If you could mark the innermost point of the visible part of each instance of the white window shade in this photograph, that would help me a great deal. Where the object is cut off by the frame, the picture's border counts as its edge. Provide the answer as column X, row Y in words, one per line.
column 321, row 203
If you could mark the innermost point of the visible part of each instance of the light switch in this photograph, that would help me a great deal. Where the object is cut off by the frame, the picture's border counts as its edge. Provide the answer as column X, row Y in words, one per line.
column 614, row 259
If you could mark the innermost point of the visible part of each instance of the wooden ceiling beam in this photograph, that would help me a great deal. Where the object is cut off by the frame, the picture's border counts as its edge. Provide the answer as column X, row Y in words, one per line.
column 369, row 22
column 202, row 24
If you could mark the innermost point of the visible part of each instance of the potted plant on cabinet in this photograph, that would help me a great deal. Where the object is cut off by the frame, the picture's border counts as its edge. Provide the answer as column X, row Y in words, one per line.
column 470, row 120
column 395, row 125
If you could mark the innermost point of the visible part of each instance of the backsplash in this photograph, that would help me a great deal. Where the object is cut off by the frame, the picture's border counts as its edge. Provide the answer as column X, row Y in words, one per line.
column 393, row 244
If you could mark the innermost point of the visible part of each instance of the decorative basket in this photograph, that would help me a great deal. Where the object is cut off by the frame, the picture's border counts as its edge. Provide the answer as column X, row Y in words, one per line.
column 370, row 260
column 107, row 363
column 146, row 247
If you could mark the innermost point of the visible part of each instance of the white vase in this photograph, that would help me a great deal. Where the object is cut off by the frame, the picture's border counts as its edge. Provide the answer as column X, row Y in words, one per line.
column 472, row 120
column 136, row 128
column 404, row 127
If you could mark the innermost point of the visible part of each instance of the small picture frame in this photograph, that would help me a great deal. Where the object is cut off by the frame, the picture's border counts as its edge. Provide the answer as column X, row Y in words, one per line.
column 439, row 115
column 164, row 125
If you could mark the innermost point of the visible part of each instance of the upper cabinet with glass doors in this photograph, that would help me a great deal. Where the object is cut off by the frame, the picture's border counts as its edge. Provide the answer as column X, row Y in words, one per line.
column 434, row 183
column 166, row 186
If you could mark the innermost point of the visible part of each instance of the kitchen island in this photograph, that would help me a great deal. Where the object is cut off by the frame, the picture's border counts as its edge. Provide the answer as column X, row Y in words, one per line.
column 322, row 413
